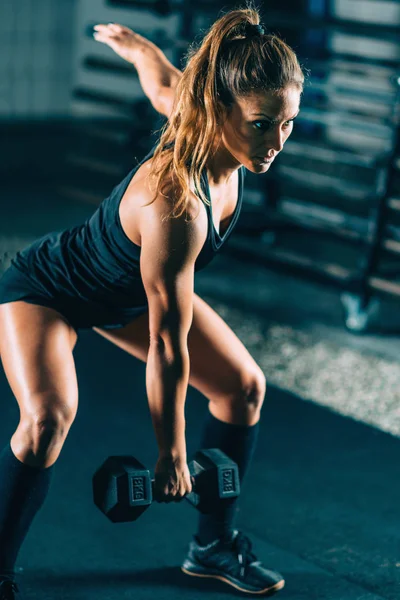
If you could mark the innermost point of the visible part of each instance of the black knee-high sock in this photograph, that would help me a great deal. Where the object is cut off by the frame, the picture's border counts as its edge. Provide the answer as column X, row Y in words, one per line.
column 238, row 442
column 23, row 490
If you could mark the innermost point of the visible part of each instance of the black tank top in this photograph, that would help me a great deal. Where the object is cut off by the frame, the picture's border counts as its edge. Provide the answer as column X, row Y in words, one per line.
column 96, row 261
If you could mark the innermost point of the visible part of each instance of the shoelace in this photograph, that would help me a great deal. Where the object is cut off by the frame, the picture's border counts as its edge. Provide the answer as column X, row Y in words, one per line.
column 7, row 589
column 242, row 546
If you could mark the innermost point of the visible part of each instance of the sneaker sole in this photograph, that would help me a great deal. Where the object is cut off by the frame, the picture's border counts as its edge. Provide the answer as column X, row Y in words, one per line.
column 233, row 582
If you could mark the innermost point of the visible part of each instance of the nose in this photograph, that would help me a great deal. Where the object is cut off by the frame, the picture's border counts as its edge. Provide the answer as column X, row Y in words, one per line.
column 276, row 139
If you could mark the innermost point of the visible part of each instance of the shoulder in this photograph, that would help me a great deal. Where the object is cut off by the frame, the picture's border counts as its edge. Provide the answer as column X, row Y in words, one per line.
column 187, row 232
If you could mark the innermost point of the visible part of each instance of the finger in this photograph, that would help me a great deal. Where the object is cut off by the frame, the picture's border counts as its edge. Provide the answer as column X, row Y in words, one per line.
column 100, row 27
column 169, row 492
column 106, row 39
column 180, row 492
column 115, row 27
column 120, row 28
column 99, row 38
column 107, row 31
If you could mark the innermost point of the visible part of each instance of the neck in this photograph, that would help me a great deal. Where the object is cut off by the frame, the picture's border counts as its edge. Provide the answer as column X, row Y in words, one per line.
column 221, row 166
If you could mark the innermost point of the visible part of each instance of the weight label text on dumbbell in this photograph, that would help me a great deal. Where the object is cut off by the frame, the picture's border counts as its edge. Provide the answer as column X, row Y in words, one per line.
column 138, row 488
column 227, row 481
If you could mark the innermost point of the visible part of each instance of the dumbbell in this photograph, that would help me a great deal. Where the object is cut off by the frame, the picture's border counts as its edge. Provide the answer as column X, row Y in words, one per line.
column 123, row 488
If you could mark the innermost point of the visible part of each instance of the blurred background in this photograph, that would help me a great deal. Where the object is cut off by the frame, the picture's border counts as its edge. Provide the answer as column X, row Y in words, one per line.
column 317, row 248
column 309, row 281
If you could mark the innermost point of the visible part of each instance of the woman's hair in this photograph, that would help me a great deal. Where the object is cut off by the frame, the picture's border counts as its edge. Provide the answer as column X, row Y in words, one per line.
column 232, row 61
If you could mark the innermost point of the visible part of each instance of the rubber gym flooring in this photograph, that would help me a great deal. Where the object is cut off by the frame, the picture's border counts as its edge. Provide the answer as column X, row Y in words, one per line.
column 321, row 502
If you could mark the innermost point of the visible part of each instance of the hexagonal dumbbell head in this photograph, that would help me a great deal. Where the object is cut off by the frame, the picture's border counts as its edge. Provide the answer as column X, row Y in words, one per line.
column 122, row 488
column 216, row 478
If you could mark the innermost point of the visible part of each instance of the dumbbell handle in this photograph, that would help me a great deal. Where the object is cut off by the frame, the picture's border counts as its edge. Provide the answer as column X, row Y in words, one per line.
column 203, row 496
column 193, row 478
column 153, row 482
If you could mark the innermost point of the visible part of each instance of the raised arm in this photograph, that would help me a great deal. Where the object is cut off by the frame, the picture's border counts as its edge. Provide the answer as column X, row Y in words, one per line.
column 168, row 254
column 157, row 75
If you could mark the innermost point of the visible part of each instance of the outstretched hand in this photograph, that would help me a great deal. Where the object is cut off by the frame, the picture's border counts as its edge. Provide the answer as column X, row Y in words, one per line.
column 121, row 39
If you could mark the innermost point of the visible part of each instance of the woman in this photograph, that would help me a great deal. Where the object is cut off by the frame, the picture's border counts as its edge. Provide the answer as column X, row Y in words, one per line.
column 128, row 273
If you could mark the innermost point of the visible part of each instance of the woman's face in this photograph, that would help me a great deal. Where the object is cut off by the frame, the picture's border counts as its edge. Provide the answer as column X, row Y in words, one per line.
column 258, row 125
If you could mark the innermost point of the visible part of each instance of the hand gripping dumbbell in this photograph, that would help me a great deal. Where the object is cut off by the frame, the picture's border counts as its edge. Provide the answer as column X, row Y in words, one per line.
column 123, row 488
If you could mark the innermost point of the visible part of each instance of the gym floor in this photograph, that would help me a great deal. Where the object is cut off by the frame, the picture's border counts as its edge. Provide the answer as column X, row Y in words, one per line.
column 322, row 498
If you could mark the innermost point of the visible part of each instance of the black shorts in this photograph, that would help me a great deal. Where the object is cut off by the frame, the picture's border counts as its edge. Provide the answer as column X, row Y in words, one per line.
column 79, row 312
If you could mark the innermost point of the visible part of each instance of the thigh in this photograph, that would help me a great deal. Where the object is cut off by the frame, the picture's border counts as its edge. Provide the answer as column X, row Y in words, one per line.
column 219, row 363
column 36, row 346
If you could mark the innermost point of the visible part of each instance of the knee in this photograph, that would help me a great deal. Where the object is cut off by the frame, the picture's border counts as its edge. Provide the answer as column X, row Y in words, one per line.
column 51, row 424
column 40, row 435
column 243, row 405
column 252, row 393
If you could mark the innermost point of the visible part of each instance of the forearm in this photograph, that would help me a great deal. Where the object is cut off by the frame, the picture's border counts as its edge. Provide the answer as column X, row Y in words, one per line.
column 155, row 71
column 166, row 384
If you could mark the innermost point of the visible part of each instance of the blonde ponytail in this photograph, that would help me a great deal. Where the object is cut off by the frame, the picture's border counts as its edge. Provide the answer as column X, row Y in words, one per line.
column 233, row 60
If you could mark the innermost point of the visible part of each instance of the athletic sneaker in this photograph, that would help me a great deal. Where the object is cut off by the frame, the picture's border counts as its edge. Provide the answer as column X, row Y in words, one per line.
column 232, row 561
column 8, row 589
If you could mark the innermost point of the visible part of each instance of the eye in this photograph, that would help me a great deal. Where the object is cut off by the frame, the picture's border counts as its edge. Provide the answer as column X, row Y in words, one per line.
column 264, row 125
